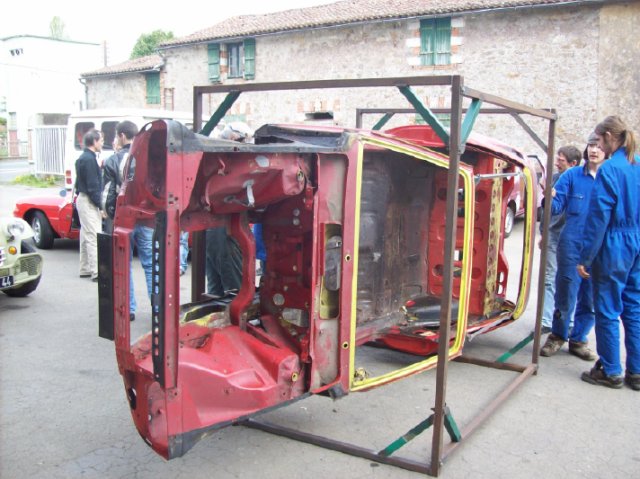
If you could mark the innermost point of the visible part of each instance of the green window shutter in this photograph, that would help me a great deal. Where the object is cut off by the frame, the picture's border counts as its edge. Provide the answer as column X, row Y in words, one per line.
column 213, row 52
column 435, row 41
column 249, row 58
column 427, row 41
column 443, row 41
column 153, row 88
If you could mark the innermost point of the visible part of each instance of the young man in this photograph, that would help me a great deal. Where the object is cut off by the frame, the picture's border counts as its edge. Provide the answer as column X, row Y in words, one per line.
column 142, row 236
column 88, row 187
column 571, row 197
column 611, row 248
column 567, row 157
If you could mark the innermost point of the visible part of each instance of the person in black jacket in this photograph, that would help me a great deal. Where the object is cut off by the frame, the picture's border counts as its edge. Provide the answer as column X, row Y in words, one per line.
column 88, row 187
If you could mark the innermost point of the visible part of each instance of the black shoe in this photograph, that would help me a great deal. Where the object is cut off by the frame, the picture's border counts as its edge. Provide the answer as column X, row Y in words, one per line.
column 95, row 280
column 132, row 316
column 632, row 380
column 598, row 376
column 545, row 330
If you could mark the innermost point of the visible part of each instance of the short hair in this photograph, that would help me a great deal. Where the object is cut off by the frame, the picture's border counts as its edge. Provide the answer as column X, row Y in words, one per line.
column 91, row 137
column 128, row 128
column 571, row 153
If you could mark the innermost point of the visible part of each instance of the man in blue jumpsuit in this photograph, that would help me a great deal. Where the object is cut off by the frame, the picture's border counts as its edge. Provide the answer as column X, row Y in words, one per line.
column 571, row 197
column 566, row 157
column 611, row 248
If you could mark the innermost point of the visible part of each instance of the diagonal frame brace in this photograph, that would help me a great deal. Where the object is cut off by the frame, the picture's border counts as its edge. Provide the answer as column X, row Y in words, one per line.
column 449, row 424
column 470, row 119
column 382, row 121
column 222, row 110
column 426, row 113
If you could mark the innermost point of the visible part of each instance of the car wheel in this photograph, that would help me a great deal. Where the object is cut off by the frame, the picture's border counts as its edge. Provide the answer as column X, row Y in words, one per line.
column 26, row 288
column 509, row 219
column 42, row 232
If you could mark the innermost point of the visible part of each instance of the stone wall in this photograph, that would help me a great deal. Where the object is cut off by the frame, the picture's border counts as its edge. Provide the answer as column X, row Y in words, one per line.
column 578, row 60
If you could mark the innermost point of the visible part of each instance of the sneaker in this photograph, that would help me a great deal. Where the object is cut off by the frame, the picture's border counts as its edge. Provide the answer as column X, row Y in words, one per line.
column 182, row 272
column 598, row 376
column 132, row 316
column 632, row 380
column 551, row 346
column 581, row 350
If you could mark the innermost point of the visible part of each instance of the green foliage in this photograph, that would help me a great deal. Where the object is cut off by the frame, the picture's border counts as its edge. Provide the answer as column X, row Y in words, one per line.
column 3, row 121
column 56, row 28
column 147, row 43
column 38, row 182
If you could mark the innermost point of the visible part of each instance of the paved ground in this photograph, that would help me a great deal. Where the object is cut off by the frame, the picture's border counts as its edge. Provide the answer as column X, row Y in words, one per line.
column 63, row 412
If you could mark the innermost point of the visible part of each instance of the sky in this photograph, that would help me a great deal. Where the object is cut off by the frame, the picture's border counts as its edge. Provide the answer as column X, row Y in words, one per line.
column 120, row 22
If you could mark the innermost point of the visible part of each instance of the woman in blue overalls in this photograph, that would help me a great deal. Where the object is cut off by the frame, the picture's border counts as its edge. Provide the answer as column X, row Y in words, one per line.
column 611, row 248
column 571, row 196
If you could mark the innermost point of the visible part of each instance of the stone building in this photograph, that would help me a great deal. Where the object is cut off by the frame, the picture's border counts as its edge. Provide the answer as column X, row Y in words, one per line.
column 574, row 56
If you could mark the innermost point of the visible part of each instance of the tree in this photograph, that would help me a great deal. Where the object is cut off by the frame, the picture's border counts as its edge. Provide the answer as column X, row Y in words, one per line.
column 56, row 28
column 148, row 43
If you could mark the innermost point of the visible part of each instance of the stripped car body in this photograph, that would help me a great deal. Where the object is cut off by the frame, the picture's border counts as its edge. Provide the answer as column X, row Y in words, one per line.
column 353, row 224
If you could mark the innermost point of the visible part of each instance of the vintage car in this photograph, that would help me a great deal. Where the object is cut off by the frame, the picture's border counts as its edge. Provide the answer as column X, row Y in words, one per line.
column 49, row 216
column 354, row 227
column 20, row 264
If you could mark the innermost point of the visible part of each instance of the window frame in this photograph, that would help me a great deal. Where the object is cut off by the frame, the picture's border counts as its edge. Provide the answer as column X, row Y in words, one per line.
column 435, row 41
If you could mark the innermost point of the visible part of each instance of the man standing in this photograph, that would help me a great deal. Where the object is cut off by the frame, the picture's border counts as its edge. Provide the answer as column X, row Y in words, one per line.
column 142, row 236
column 88, row 187
column 571, row 197
column 567, row 157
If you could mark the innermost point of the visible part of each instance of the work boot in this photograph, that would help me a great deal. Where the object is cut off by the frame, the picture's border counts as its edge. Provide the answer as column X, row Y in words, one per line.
column 632, row 380
column 581, row 350
column 551, row 346
column 598, row 376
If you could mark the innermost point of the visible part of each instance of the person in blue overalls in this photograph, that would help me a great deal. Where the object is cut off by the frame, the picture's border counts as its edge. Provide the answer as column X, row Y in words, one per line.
column 566, row 157
column 571, row 196
column 611, row 248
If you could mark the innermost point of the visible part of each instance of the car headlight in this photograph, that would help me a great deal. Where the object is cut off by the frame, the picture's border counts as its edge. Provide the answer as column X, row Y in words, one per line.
column 15, row 228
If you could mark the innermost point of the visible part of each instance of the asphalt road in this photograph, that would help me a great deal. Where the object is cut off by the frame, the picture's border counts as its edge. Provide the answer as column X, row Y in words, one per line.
column 63, row 411
column 11, row 168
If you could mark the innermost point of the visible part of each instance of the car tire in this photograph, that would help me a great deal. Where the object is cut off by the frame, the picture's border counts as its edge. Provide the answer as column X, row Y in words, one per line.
column 26, row 288
column 42, row 232
column 509, row 220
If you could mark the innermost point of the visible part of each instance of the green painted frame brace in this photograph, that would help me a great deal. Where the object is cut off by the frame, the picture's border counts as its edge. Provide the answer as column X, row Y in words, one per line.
column 425, row 113
column 503, row 358
column 449, row 424
column 222, row 110
column 470, row 119
column 382, row 121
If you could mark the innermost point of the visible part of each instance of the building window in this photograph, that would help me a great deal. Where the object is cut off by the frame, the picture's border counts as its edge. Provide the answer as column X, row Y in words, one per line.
column 241, row 60
column 435, row 41
column 153, row 88
column 235, row 54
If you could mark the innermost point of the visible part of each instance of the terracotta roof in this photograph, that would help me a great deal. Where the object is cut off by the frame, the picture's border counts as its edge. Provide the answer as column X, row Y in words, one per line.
column 345, row 12
column 141, row 64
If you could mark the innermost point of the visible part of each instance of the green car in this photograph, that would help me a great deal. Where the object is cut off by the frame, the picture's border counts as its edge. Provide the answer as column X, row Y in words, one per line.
column 20, row 264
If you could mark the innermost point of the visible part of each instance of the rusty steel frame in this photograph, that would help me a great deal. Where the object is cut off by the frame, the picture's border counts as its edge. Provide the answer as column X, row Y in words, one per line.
column 439, row 452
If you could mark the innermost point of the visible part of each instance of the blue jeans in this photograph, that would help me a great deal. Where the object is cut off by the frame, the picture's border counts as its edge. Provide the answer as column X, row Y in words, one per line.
column 573, row 294
column 142, row 238
column 184, row 250
column 550, row 280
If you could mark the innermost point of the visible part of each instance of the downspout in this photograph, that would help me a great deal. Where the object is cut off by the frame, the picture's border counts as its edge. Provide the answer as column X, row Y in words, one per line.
column 86, row 93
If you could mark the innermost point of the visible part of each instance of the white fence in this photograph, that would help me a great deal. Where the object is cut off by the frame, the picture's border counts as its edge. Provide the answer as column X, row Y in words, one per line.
column 47, row 149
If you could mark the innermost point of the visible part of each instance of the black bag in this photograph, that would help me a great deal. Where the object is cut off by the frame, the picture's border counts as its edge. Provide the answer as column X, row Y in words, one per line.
column 75, row 217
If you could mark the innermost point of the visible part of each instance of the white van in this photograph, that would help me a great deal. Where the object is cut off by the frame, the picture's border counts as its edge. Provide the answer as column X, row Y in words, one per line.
column 106, row 120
